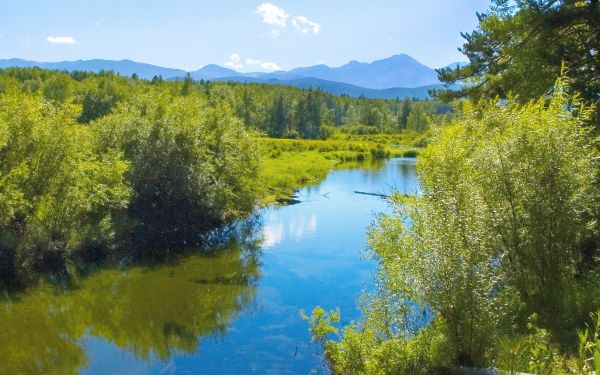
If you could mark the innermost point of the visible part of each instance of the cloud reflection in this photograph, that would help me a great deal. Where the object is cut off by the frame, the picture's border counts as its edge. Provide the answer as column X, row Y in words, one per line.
column 277, row 228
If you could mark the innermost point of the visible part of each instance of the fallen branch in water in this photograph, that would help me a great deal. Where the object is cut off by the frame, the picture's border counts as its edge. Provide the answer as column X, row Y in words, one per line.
column 373, row 194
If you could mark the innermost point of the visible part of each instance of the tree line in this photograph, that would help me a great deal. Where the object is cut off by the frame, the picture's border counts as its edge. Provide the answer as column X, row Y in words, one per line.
column 277, row 111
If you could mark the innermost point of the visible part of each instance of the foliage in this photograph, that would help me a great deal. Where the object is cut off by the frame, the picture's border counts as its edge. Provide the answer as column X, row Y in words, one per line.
column 192, row 168
column 278, row 111
column 56, row 193
column 363, row 349
column 519, row 47
column 533, row 353
column 497, row 235
column 588, row 353
column 155, row 170
column 290, row 163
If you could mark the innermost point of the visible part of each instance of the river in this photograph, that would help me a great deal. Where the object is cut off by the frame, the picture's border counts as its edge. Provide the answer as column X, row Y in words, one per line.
column 234, row 309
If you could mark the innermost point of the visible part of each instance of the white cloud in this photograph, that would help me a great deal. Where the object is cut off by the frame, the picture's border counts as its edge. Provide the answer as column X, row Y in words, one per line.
column 277, row 17
column 304, row 25
column 265, row 65
column 270, row 66
column 61, row 40
column 251, row 61
column 27, row 41
column 235, row 61
column 272, row 14
column 274, row 33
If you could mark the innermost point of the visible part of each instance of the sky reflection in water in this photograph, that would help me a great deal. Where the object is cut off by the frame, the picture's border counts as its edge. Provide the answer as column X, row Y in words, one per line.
column 234, row 311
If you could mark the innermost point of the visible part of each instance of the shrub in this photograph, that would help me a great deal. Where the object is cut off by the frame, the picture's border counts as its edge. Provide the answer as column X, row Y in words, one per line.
column 192, row 168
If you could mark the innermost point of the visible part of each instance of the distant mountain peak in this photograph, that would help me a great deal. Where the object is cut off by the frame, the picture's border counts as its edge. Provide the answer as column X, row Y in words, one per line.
column 400, row 56
column 399, row 70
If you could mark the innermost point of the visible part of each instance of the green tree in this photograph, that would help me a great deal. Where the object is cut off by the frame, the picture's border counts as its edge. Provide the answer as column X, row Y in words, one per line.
column 56, row 194
column 192, row 168
column 403, row 113
column 493, row 238
column 519, row 48
column 187, row 84
column 417, row 120
column 99, row 98
column 278, row 116
column 59, row 88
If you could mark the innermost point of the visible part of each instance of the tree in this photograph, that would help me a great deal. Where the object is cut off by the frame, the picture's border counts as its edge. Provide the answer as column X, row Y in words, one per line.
column 56, row 194
column 192, row 168
column 314, row 114
column 245, row 107
column 496, row 234
column 99, row 99
column 519, row 48
column 278, row 116
column 403, row 114
column 417, row 120
column 370, row 114
column 59, row 88
column 187, row 84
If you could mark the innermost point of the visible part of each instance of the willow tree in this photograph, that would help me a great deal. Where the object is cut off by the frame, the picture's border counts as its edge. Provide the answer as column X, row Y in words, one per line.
column 493, row 238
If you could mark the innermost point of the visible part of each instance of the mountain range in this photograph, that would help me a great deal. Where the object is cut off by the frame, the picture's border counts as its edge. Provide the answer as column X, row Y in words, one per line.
column 398, row 76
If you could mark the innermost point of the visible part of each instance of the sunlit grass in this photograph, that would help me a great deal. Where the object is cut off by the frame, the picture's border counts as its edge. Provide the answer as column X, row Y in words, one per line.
column 292, row 163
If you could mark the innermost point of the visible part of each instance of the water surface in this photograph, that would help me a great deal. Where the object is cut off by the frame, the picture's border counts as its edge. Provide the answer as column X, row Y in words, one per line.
column 232, row 310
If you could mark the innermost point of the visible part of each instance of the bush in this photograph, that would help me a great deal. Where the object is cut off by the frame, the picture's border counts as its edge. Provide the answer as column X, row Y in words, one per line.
column 192, row 168
column 56, row 193
column 508, row 197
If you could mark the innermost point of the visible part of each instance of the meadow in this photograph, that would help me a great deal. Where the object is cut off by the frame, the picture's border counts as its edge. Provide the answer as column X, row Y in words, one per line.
column 291, row 163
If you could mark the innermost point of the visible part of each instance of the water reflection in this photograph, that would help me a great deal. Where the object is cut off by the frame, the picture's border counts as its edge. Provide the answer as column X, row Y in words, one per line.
column 234, row 310
column 152, row 313
column 298, row 227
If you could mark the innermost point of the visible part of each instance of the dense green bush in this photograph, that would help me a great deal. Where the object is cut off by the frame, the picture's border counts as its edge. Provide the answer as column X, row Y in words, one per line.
column 56, row 193
column 156, row 171
column 496, row 236
column 192, row 168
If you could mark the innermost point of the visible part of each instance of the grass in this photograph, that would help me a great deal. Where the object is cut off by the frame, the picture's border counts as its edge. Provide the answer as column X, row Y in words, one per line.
column 292, row 163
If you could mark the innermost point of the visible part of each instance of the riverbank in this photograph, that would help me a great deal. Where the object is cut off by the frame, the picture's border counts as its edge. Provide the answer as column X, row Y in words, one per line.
column 231, row 308
column 291, row 163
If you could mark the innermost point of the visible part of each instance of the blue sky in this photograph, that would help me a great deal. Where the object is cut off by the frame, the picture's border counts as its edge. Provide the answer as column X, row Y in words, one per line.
column 243, row 34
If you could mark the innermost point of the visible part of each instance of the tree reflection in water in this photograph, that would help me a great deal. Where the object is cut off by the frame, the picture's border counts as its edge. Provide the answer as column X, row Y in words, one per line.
column 150, row 311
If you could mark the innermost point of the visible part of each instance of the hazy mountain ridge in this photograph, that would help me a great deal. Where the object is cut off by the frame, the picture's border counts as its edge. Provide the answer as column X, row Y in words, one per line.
column 397, row 76
column 340, row 88
column 393, row 72
column 123, row 67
